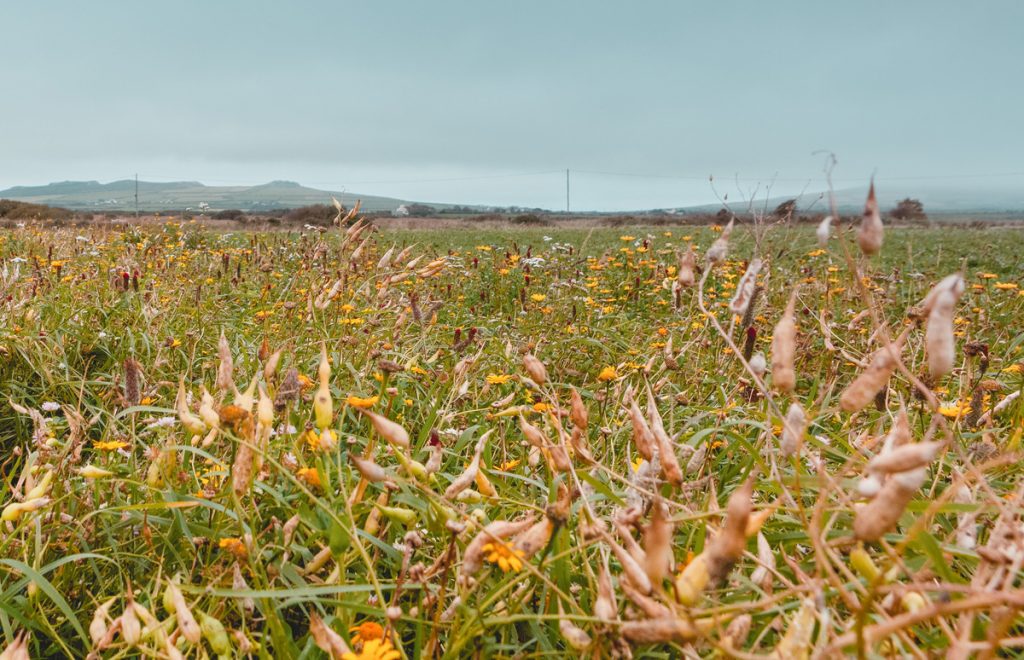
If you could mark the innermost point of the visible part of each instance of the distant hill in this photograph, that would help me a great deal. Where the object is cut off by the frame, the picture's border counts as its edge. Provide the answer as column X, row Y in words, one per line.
column 949, row 199
column 153, row 196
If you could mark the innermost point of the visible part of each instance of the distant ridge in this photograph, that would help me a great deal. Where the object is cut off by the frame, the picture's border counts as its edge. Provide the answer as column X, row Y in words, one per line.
column 160, row 196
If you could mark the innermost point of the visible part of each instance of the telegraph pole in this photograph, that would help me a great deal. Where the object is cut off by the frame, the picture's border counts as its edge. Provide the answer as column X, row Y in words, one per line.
column 567, row 190
column 136, row 195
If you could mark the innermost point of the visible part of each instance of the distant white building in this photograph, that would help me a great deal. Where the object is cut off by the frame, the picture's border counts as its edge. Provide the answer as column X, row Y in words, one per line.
column 203, row 206
column 401, row 212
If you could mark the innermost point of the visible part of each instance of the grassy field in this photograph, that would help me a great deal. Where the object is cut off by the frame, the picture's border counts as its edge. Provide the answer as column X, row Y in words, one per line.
column 507, row 443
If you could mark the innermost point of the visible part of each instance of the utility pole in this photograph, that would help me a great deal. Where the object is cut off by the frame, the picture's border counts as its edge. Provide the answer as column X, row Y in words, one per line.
column 567, row 190
column 136, row 195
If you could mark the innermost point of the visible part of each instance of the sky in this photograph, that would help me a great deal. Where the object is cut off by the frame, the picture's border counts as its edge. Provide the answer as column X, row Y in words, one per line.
column 490, row 102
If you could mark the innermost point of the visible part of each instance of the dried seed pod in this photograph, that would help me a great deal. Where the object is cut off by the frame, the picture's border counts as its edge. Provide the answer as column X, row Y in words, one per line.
column 532, row 434
column 368, row 469
column 575, row 636
column 499, row 530
column 940, row 345
column 642, row 436
column 666, row 452
column 242, row 470
column 560, row 461
column 745, row 288
column 905, row 457
column 577, row 411
column 875, row 376
column 870, row 233
column 466, row 479
column 270, row 365
column 605, row 607
column 796, row 643
column 716, row 560
column 824, row 231
column 326, row 639
column 631, row 569
column 434, row 462
column 720, row 248
column 697, row 459
column 192, row 424
column 758, row 364
column 323, row 406
column 533, row 539
column 535, row 368
column 784, row 349
column 660, row 631
column 793, row 429
column 685, row 276
column 392, row 432
column 186, row 622
column 226, row 368
column 737, row 631
column 966, row 527
column 881, row 514
column 762, row 575
column 98, row 626
column 657, row 552
column 900, row 433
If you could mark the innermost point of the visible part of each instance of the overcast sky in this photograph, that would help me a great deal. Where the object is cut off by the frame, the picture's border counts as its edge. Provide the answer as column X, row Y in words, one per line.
column 491, row 101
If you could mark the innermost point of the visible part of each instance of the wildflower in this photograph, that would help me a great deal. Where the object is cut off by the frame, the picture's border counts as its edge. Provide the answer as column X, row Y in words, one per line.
column 1014, row 368
column 367, row 631
column 607, row 374
column 50, row 406
column 1007, row 286
column 505, row 557
column 954, row 410
column 361, row 402
column 498, row 379
column 538, row 297
column 235, row 546
column 109, row 445
column 310, row 476
column 375, row 649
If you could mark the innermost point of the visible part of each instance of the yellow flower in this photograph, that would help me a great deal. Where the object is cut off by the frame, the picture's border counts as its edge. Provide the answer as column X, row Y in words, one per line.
column 508, row 465
column 234, row 546
column 498, row 379
column 365, row 632
column 375, row 649
column 607, row 374
column 954, row 410
column 541, row 407
column 361, row 402
column 538, row 297
column 987, row 276
column 109, row 445
column 1014, row 368
column 816, row 253
column 1007, row 286
column 505, row 557
column 310, row 476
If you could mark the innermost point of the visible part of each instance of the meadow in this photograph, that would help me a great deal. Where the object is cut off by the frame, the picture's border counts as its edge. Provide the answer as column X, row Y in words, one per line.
column 373, row 443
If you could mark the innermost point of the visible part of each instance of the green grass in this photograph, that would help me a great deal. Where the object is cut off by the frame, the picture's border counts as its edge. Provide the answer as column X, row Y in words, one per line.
column 581, row 301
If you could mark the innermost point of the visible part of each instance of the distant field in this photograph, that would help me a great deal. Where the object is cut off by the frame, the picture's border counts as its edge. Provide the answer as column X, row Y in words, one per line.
column 162, row 462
